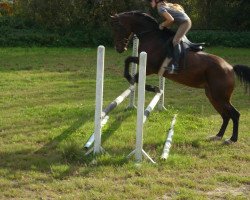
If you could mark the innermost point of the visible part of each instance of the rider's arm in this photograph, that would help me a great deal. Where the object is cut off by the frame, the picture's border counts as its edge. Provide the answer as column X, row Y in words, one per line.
column 168, row 20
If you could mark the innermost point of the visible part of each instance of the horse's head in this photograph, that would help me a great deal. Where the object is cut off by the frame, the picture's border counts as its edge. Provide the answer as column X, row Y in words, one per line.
column 122, row 33
column 128, row 23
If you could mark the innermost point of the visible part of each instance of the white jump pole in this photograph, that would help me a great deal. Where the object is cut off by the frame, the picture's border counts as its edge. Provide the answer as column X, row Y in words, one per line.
column 167, row 145
column 99, row 99
column 162, row 88
column 101, row 116
column 134, row 71
column 108, row 109
column 140, row 105
column 129, row 92
column 139, row 152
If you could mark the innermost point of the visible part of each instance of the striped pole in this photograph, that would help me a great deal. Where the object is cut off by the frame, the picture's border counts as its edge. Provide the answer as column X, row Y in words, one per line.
column 118, row 100
column 107, row 110
column 134, row 71
column 167, row 145
column 92, row 137
column 152, row 105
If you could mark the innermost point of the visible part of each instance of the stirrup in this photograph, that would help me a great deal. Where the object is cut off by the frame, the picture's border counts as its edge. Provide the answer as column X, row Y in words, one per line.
column 172, row 69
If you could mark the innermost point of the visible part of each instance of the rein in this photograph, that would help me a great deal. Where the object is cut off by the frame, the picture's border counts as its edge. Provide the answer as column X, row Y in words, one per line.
column 144, row 33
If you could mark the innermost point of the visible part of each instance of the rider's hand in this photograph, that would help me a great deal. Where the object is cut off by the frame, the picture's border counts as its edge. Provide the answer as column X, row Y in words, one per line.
column 176, row 41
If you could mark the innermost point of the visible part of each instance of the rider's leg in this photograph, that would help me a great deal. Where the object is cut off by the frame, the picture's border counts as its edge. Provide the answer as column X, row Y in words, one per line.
column 182, row 30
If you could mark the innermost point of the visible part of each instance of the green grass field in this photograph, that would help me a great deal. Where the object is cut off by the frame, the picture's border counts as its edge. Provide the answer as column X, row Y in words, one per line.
column 47, row 110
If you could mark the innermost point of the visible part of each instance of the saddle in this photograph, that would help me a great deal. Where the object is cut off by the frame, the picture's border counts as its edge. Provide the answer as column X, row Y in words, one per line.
column 188, row 45
column 185, row 46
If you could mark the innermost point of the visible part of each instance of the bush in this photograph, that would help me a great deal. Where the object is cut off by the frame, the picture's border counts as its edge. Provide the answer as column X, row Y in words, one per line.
column 221, row 38
column 84, row 23
column 15, row 31
column 18, row 31
column 6, row 8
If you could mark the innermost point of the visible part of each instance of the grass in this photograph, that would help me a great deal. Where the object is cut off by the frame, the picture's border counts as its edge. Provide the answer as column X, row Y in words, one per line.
column 47, row 108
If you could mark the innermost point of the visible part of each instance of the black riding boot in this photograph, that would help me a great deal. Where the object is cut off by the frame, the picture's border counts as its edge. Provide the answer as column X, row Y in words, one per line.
column 174, row 67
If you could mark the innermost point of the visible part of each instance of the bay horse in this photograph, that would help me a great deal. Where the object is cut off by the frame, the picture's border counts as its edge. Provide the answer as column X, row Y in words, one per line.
column 202, row 70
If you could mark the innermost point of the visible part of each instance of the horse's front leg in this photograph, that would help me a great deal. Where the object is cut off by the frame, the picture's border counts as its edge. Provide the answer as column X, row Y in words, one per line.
column 127, row 75
column 149, row 88
column 152, row 88
column 135, row 79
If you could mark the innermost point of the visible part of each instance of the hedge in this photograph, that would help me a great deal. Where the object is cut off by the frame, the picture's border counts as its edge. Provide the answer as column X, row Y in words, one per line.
column 19, row 32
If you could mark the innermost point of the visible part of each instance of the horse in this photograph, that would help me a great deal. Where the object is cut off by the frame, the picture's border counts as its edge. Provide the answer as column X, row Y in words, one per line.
column 200, row 69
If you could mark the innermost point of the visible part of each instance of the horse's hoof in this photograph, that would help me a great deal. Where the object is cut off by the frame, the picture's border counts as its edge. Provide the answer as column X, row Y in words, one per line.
column 157, row 89
column 172, row 72
column 132, row 82
column 214, row 138
column 228, row 142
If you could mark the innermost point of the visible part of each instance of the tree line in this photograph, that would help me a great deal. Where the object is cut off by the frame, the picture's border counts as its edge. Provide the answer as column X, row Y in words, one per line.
column 205, row 14
column 87, row 22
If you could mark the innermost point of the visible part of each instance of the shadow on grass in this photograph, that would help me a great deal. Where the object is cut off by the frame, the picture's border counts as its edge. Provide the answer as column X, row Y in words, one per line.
column 106, row 134
column 61, row 162
column 43, row 158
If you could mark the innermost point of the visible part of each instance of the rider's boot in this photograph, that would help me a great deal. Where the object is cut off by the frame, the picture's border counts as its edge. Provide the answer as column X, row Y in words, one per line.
column 174, row 66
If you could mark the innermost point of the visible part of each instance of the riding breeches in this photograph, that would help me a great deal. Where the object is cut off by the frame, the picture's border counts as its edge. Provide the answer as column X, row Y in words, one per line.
column 181, row 31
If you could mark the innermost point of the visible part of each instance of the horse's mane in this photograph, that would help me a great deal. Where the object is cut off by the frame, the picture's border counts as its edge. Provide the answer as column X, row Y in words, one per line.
column 146, row 17
column 141, row 14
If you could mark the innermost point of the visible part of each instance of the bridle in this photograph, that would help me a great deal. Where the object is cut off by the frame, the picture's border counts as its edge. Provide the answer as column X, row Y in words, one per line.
column 125, row 41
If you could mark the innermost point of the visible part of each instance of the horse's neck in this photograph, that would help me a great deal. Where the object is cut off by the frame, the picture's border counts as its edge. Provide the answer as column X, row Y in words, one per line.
column 142, row 28
column 139, row 27
column 149, row 34
column 156, row 42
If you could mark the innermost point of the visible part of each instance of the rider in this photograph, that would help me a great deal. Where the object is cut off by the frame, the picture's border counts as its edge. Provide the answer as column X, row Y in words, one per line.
column 173, row 14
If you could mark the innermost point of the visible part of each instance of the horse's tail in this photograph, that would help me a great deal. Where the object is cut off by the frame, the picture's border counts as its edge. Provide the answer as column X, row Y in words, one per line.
column 243, row 73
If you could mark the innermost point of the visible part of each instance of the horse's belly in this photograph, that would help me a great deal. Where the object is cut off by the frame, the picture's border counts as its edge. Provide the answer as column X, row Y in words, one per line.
column 186, row 79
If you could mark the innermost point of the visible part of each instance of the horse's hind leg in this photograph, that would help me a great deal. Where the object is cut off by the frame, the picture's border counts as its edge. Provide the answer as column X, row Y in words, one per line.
column 222, row 130
column 230, row 113
column 227, row 112
column 225, row 117
column 235, row 116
